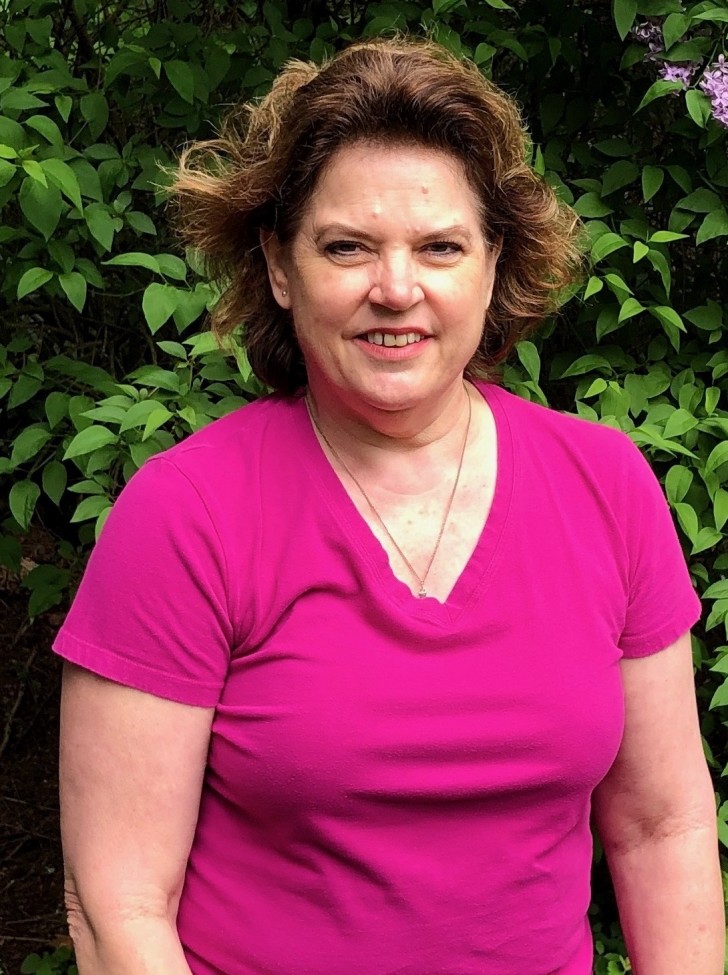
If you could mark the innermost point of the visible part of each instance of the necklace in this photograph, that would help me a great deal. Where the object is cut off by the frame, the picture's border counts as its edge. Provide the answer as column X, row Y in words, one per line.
column 423, row 578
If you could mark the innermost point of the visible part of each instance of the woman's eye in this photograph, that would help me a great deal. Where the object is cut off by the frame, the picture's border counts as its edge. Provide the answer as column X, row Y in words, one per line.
column 343, row 248
column 444, row 248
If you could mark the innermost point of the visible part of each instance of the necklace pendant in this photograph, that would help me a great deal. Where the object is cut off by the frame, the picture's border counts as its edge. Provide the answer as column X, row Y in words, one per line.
column 422, row 593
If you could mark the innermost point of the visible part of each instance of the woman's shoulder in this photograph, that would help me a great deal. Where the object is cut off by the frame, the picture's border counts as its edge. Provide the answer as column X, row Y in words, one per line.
column 237, row 437
column 219, row 466
column 545, row 428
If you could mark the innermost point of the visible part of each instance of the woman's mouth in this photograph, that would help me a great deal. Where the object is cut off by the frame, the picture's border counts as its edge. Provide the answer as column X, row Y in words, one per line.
column 391, row 340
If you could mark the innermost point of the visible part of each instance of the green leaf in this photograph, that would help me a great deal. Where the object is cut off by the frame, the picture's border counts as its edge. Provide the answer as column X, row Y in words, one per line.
column 100, row 223
column 674, row 27
column 621, row 173
column 677, row 483
column 681, row 177
column 708, row 317
column 74, row 286
column 63, row 104
column 140, row 222
column 28, row 443
column 135, row 259
column 661, row 265
column 639, row 250
column 529, row 359
column 174, row 349
column 61, row 174
column 712, row 395
column 714, row 225
column 483, row 53
column 90, row 507
column 190, row 305
column 592, row 205
column 700, row 201
column 587, row 363
column 158, row 304
column 95, row 109
column 606, row 245
column 56, row 408
column 688, row 519
column 658, row 89
column 7, row 172
column 155, row 421
column 698, row 106
column 665, row 237
column 679, row 423
column 720, row 508
column 17, row 100
column 718, row 590
column 138, row 414
column 717, row 457
column 618, row 285
column 593, row 287
column 156, row 377
column 720, row 699
column 181, row 78
column 47, row 128
column 615, row 147
column 33, row 279
column 33, row 169
column 717, row 15
column 54, row 480
column 629, row 309
column 705, row 539
column 23, row 498
column 667, row 315
column 89, row 440
column 24, row 389
column 41, row 206
column 595, row 388
column 624, row 12
column 652, row 179
column 172, row 266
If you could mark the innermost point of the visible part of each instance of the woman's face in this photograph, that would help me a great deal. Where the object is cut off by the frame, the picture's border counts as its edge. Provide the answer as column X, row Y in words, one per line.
column 388, row 278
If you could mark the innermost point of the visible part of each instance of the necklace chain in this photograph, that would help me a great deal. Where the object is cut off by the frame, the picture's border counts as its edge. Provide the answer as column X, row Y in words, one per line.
column 420, row 579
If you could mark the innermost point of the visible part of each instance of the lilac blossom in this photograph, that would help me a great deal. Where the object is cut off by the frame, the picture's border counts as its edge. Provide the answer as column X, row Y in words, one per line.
column 651, row 35
column 715, row 84
column 684, row 73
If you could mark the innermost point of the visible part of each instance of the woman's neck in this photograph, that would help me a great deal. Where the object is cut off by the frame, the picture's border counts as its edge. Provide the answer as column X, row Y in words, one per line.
column 361, row 429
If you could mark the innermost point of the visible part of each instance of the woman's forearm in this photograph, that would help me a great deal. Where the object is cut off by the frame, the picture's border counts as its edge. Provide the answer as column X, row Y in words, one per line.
column 134, row 946
column 670, row 898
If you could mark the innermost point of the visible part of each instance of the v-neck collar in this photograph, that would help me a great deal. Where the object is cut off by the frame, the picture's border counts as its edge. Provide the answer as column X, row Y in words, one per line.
column 477, row 572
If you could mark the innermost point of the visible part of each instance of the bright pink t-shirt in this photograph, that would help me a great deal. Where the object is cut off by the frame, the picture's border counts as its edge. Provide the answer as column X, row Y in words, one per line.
column 394, row 786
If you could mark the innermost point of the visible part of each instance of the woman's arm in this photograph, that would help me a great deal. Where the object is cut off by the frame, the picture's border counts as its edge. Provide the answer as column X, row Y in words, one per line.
column 131, row 768
column 655, row 813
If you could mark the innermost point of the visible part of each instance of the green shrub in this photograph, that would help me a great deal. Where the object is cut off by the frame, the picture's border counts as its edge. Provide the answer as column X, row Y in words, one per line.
column 104, row 360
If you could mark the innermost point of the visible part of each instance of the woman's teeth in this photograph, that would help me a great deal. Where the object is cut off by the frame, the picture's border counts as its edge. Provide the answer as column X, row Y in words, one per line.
column 386, row 338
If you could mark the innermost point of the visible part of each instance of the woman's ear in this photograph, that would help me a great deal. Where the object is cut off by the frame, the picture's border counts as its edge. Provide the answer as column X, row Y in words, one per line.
column 277, row 274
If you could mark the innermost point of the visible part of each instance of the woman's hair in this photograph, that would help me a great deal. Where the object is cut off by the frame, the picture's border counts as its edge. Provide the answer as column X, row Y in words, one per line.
column 262, row 170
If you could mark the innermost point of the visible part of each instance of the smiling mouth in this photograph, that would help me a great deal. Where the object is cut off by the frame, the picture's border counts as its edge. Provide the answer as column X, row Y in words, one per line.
column 390, row 340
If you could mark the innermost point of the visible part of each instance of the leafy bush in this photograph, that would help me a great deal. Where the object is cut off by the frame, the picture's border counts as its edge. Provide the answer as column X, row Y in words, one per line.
column 104, row 359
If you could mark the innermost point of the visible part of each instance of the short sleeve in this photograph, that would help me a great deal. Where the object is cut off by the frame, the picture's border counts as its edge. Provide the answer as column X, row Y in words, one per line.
column 662, row 603
column 152, row 610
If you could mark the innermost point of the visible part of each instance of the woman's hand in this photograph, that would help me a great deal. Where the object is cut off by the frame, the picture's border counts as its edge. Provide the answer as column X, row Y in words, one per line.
column 131, row 774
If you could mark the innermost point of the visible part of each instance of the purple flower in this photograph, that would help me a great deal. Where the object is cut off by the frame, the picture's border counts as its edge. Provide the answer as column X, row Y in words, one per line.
column 715, row 84
column 684, row 73
column 651, row 35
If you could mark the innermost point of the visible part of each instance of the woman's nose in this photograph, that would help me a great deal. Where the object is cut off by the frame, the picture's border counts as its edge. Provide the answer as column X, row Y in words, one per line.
column 395, row 283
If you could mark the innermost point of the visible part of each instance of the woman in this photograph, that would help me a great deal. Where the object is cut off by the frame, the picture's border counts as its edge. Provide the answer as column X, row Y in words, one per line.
column 349, row 667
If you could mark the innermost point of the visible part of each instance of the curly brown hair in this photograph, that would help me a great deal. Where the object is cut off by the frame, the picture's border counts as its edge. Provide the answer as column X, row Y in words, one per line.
column 260, row 174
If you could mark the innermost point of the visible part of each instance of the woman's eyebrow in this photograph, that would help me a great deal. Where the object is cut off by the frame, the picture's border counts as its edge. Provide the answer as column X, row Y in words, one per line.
column 345, row 230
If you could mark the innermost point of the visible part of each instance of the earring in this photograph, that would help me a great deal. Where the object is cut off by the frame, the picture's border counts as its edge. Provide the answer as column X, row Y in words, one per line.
column 284, row 293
